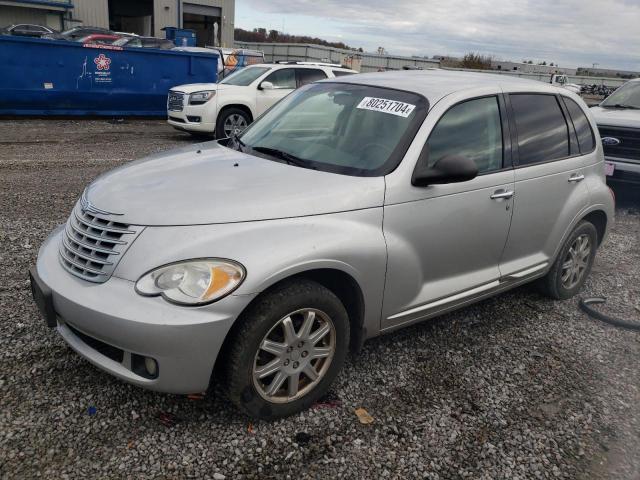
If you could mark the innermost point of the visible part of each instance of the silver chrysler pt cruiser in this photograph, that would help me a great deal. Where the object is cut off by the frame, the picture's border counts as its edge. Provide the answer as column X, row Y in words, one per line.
column 353, row 207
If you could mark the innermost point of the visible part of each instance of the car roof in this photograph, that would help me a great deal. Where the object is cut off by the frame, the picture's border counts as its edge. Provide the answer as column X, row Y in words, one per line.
column 437, row 83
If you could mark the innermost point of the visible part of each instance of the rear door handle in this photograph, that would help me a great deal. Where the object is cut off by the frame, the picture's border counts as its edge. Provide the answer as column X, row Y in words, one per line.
column 498, row 194
column 576, row 177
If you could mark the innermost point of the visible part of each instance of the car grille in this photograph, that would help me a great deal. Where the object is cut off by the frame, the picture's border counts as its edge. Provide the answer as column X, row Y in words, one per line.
column 91, row 246
column 175, row 101
column 629, row 147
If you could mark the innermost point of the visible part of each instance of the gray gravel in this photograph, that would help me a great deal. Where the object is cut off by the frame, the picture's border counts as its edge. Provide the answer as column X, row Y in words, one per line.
column 515, row 387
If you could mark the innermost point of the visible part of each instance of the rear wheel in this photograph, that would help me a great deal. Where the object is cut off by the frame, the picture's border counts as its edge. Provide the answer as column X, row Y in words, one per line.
column 232, row 121
column 573, row 264
column 289, row 349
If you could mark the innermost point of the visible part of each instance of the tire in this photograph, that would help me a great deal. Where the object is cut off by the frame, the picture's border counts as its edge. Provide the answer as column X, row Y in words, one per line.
column 266, row 319
column 556, row 284
column 236, row 116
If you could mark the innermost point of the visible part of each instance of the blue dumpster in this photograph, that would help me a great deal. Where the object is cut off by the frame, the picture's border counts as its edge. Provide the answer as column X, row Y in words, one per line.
column 182, row 37
column 57, row 77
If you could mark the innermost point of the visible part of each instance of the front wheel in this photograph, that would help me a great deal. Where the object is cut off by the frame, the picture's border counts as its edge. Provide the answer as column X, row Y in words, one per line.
column 573, row 264
column 231, row 121
column 288, row 350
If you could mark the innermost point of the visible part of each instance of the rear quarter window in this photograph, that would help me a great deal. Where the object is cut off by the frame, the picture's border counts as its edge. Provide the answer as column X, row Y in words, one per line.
column 341, row 73
column 309, row 75
column 586, row 138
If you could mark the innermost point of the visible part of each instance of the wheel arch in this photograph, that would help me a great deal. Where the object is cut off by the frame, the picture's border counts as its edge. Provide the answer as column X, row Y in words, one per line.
column 341, row 283
column 239, row 106
column 599, row 220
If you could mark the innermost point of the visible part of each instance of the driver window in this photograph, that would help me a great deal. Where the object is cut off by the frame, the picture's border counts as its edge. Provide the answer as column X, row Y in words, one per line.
column 284, row 78
column 472, row 129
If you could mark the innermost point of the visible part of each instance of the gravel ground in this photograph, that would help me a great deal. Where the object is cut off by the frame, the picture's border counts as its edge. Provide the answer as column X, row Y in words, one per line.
column 515, row 387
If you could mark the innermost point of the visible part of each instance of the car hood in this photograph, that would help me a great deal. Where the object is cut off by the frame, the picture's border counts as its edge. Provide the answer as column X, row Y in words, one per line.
column 616, row 117
column 199, row 87
column 208, row 183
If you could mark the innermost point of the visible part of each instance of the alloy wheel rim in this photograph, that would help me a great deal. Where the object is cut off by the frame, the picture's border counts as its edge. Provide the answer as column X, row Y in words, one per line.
column 576, row 261
column 294, row 356
column 234, row 124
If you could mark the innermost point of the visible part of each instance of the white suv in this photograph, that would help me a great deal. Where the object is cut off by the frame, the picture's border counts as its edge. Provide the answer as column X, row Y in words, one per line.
column 226, row 108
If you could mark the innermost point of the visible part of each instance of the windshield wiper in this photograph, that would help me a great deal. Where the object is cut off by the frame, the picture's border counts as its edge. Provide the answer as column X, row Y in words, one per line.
column 282, row 155
column 622, row 105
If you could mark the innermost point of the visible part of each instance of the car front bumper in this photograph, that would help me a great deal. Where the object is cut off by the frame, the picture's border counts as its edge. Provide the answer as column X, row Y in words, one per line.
column 112, row 326
column 624, row 171
column 193, row 118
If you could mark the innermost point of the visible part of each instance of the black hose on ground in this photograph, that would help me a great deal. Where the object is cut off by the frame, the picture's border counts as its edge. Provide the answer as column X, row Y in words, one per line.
column 584, row 306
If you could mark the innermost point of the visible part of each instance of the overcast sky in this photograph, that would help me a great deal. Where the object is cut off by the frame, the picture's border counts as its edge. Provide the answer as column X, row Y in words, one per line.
column 570, row 32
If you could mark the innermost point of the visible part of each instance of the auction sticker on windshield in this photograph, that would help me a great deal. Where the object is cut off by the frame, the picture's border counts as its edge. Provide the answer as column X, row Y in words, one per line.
column 384, row 105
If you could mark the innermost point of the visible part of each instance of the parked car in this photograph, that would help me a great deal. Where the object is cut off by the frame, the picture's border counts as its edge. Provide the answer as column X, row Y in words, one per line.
column 145, row 42
column 618, row 119
column 26, row 30
column 76, row 33
column 266, row 256
column 228, row 107
column 99, row 39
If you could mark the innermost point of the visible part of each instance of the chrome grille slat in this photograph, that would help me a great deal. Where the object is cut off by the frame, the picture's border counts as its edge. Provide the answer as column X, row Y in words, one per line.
column 78, row 264
column 88, row 245
column 175, row 101
column 94, row 237
column 92, row 244
column 80, row 254
column 106, row 228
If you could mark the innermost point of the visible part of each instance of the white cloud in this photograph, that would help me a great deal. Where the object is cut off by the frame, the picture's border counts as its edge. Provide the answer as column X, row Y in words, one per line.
column 571, row 32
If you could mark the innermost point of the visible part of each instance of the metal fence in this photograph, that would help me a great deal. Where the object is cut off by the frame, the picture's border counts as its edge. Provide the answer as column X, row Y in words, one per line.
column 546, row 77
column 368, row 62
column 371, row 62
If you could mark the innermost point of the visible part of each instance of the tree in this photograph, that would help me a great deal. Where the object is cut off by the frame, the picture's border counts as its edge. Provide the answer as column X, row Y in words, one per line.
column 260, row 35
column 476, row 61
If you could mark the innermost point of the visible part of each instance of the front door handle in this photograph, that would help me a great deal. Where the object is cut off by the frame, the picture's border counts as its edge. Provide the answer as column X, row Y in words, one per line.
column 576, row 177
column 498, row 194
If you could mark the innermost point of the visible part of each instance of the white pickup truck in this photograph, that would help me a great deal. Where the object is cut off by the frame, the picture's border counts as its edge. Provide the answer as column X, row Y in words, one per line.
column 563, row 81
column 618, row 119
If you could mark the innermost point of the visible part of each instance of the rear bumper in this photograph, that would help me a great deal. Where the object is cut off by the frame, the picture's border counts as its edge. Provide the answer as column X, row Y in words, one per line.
column 112, row 327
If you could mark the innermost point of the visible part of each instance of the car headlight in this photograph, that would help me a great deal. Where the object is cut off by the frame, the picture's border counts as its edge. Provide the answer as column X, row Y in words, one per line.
column 192, row 282
column 198, row 98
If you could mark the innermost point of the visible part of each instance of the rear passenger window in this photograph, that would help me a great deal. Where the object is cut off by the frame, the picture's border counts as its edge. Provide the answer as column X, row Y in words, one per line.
column 586, row 139
column 284, row 78
column 472, row 129
column 543, row 133
column 341, row 73
column 308, row 75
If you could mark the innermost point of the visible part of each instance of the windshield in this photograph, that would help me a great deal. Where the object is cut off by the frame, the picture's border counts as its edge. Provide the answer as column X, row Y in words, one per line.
column 338, row 127
column 628, row 95
column 245, row 77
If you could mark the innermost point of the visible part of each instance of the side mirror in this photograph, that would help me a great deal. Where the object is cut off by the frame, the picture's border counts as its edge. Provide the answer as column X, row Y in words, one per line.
column 449, row 169
column 266, row 86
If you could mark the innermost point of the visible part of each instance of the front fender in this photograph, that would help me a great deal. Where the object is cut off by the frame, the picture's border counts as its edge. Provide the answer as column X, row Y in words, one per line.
column 274, row 250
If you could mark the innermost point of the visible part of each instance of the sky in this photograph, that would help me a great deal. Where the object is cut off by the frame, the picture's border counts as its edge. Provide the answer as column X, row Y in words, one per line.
column 572, row 33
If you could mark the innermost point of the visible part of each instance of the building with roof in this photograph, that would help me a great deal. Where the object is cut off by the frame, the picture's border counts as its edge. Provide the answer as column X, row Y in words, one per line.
column 213, row 20
column 530, row 67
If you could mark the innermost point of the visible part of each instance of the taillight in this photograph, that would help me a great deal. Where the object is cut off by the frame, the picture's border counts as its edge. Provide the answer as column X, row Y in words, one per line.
column 613, row 195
